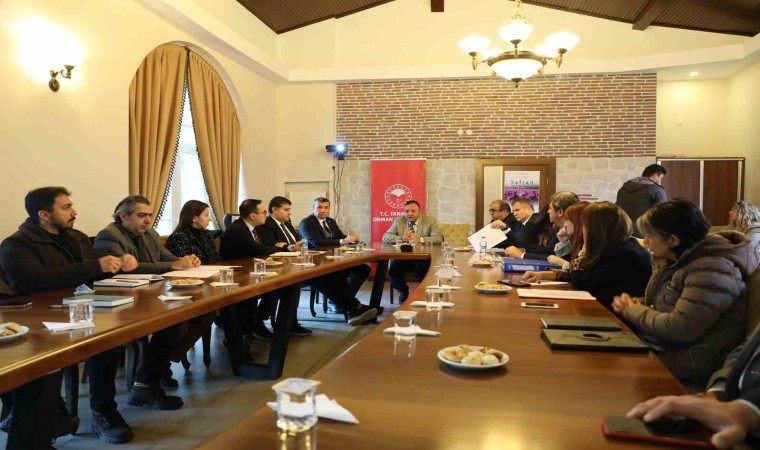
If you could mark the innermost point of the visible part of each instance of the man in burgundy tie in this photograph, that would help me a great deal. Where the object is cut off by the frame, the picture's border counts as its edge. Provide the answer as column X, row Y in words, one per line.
column 321, row 230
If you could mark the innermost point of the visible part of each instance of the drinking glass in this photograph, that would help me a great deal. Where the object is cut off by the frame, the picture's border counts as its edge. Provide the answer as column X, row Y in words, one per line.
column 307, row 259
column 296, row 404
column 405, row 325
column 81, row 310
column 226, row 275
column 259, row 266
column 337, row 252
column 435, row 298
column 446, row 272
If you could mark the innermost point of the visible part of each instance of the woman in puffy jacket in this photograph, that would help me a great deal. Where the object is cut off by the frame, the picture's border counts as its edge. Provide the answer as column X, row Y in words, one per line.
column 693, row 312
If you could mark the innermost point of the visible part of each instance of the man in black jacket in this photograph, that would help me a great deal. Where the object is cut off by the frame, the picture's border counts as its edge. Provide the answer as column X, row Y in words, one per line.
column 558, row 204
column 277, row 228
column 321, row 230
column 241, row 240
column 503, row 219
column 639, row 194
column 47, row 253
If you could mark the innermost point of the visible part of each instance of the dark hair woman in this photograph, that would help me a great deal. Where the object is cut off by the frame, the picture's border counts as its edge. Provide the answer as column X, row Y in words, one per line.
column 611, row 261
column 693, row 312
column 192, row 238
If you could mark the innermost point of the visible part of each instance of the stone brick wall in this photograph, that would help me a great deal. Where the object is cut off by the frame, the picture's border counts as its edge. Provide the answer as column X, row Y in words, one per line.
column 562, row 116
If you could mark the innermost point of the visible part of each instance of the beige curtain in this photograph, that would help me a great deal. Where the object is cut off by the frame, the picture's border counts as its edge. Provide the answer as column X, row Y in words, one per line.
column 155, row 106
column 217, row 132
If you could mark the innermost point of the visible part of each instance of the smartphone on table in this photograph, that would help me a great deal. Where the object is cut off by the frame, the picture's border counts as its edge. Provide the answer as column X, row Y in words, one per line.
column 516, row 283
column 16, row 304
column 539, row 305
column 680, row 432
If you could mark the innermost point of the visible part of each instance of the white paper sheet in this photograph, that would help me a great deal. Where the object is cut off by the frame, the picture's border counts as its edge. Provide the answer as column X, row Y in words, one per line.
column 493, row 237
column 554, row 293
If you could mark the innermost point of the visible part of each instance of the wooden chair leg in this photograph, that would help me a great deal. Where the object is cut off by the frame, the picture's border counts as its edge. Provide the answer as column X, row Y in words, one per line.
column 206, row 341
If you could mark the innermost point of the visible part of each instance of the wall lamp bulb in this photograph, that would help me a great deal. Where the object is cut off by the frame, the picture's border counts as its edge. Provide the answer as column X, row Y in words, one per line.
column 65, row 73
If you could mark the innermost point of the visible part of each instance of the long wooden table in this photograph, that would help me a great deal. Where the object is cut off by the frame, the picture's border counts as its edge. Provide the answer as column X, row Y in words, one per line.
column 406, row 399
column 39, row 352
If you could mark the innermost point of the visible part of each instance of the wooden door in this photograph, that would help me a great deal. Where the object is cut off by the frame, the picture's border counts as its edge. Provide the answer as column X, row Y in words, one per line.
column 547, row 168
column 721, row 189
column 683, row 179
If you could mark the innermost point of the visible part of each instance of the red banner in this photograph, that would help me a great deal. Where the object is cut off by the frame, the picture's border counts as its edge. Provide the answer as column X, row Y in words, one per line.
column 393, row 183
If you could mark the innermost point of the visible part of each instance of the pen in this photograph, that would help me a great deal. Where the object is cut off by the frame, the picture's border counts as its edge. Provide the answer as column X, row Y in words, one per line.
column 59, row 306
column 124, row 281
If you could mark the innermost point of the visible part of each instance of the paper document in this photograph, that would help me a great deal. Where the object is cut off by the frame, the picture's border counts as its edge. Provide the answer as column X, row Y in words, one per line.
column 552, row 293
column 493, row 237
column 286, row 254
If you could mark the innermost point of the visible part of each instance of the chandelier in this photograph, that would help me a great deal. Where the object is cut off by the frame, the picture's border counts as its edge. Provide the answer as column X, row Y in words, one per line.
column 518, row 64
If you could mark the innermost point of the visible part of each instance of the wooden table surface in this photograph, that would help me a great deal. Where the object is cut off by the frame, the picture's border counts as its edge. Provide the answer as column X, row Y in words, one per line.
column 39, row 352
column 407, row 399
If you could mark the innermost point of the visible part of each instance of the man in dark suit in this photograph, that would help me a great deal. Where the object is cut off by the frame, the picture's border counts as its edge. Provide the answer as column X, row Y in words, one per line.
column 240, row 240
column 321, row 230
column 503, row 219
column 523, row 232
column 277, row 228
column 555, row 214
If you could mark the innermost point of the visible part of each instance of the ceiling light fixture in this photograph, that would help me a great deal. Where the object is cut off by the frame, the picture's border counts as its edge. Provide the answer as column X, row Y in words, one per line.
column 518, row 64
column 693, row 74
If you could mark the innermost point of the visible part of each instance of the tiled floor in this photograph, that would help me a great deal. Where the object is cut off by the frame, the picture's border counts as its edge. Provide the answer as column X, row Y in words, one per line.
column 214, row 399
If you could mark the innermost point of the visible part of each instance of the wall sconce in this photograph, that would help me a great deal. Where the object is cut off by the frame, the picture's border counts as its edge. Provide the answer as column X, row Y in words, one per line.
column 338, row 150
column 65, row 73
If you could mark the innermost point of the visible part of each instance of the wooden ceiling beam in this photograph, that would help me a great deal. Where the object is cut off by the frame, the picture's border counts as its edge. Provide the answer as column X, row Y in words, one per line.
column 649, row 13
column 436, row 5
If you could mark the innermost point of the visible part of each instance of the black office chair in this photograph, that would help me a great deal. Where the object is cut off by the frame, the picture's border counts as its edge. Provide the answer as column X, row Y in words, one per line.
column 228, row 219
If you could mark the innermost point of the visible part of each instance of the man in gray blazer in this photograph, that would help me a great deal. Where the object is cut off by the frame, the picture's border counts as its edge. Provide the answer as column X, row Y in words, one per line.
column 131, row 233
column 416, row 228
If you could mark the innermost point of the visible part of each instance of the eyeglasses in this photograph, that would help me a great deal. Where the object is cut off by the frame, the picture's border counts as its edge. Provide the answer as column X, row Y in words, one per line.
column 261, row 212
column 491, row 211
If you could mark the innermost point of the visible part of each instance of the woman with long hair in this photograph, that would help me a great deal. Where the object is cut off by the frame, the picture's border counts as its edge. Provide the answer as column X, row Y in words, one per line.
column 744, row 217
column 693, row 313
column 610, row 262
column 570, row 236
column 192, row 238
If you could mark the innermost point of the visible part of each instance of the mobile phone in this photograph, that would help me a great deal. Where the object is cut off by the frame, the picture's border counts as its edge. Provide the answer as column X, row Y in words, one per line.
column 681, row 432
column 18, row 304
column 539, row 305
column 516, row 283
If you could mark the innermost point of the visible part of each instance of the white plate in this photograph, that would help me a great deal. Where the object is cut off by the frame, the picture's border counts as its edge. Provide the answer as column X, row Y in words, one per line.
column 506, row 290
column 462, row 249
column 276, row 263
column 503, row 362
column 180, row 286
column 11, row 337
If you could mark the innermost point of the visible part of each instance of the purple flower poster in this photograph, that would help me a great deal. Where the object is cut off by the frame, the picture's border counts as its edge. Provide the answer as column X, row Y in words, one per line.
column 522, row 184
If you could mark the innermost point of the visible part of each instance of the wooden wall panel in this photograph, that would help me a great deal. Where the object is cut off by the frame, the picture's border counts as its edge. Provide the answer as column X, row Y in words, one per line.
column 682, row 180
column 721, row 183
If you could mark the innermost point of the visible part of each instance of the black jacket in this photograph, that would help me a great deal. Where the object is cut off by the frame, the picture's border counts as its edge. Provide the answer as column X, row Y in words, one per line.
column 32, row 261
column 311, row 230
column 626, row 268
column 636, row 196
column 270, row 233
column 238, row 242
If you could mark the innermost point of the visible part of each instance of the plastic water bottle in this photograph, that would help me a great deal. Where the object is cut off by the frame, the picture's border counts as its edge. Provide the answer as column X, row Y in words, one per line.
column 483, row 247
column 304, row 248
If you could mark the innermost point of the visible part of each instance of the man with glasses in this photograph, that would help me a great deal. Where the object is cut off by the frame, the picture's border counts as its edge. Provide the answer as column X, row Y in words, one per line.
column 503, row 219
column 131, row 233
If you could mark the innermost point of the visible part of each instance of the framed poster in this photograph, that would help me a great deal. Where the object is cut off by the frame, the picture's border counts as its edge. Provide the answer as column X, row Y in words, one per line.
column 523, row 184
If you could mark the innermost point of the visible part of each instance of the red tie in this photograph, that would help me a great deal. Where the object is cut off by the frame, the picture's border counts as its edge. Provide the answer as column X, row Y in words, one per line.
column 255, row 236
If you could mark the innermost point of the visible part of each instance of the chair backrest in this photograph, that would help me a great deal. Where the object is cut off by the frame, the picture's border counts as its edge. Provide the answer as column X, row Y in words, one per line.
column 753, row 301
column 454, row 233
column 228, row 219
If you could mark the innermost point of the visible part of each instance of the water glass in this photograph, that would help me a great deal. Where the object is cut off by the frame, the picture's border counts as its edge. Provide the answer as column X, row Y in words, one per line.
column 435, row 298
column 307, row 258
column 259, row 267
column 405, row 325
column 81, row 310
column 448, row 257
column 337, row 252
column 446, row 273
column 360, row 247
column 296, row 404
column 226, row 275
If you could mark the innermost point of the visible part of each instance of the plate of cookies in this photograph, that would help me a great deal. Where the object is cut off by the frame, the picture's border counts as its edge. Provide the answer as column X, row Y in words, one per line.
column 12, row 330
column 184, row 282
column 472, row 357
column 481, row 263
column 272, row 263
column 492, row 288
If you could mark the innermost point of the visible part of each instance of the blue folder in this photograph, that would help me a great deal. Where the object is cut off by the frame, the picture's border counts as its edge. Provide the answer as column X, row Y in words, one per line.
column 524, row 265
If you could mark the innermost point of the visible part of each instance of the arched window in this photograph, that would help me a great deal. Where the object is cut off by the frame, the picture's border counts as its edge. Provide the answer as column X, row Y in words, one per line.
column 184, row 135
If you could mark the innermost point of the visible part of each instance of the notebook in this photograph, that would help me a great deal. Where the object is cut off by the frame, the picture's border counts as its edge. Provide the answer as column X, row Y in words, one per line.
column 104, row 301
column 580, row 323
column 609, row 341
column 122, row 283
column 555, row 294
column 139, row 276
column 524, row 265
